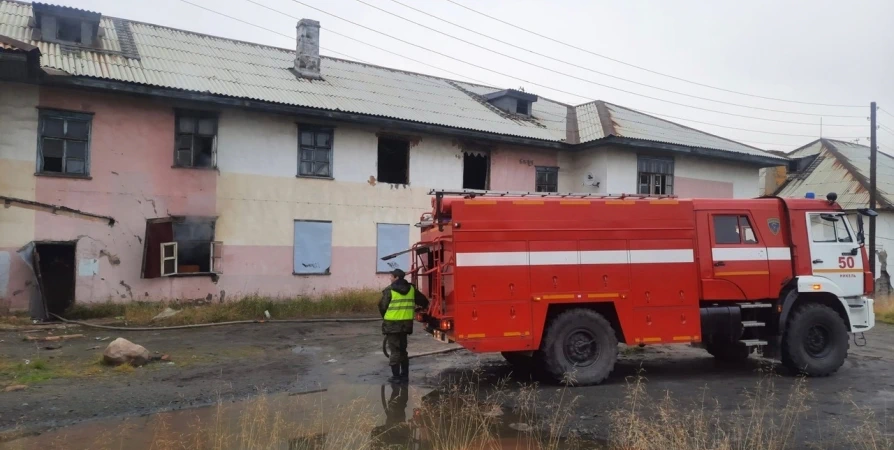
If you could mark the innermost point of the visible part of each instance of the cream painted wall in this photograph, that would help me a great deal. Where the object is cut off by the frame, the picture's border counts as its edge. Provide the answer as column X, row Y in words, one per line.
column 18, row 144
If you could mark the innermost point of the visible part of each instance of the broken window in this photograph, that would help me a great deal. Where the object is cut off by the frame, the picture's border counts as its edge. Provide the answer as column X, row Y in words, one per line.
column 68, row 30
column 392, row 238
column 64, row 145
column 181, row 246
column 656, row 175
column 547, row 179
column 313, row 247
column 196, row 138
column 521, row 107
column 475, row 170
column 394, row 161
column 315, row 152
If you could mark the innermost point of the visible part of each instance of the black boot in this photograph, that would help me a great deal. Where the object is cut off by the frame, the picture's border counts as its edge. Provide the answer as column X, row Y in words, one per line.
column 405, row 371
column 395, row 374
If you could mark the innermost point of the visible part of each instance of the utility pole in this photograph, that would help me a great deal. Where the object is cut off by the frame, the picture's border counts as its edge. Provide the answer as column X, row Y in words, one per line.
column 873, row 151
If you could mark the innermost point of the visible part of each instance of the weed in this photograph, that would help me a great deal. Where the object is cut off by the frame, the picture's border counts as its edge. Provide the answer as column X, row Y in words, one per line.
column 124, row 369
column 884, row 309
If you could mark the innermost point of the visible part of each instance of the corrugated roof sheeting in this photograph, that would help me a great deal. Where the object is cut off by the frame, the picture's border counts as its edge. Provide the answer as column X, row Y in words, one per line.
column 189, row 61
column 633, row 124
column 832, row 174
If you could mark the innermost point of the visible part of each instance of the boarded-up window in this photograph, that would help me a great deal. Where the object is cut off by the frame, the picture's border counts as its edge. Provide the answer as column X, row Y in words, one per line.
column 392, row 238
column 313, row 247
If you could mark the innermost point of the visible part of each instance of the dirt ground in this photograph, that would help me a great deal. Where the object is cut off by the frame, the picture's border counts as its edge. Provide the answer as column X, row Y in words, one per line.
column 234, row 362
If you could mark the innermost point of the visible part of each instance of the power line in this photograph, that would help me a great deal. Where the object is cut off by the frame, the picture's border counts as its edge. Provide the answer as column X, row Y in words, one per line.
column 518, row 27
column 741, row 129
column 542, row 85
column 267, row 29
column 559, row 72
column 567, row 62
column 886, row 112
column 887, row 129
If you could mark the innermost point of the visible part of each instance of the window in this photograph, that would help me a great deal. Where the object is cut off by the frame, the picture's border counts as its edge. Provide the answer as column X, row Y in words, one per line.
column 68, row 30
column 196, row 134
column 394, row 161
column 182, row 245
column 64, row 145
column 730, row 230
column 546, row 179
column 315, row 152
column 829, row 228
column 392, row 238
column 475, row 169
column 313, row 247
column 656, row 175
column 521, row 107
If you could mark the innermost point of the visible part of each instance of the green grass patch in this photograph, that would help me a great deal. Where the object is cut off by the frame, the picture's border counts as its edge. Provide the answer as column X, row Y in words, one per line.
column 340, row 304
column 35, row 371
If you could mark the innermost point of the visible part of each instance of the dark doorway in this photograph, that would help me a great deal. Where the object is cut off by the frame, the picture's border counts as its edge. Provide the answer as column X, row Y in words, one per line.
column 475, row 171
column 54, row 264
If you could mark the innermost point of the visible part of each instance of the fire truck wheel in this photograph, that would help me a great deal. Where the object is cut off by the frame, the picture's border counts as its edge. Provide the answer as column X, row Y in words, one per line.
column 815, row 341
column 728, row 351
column 582, row 344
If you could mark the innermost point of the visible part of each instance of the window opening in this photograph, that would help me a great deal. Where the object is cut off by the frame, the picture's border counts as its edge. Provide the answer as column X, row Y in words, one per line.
column 829, row 228
column 315, row 152
column 394, row 161
column 547, row 179
column 475, row 168
column 181, row 246
column 521, row 107
column 68, row 30
column 64, row 144
column 656, row 175
column 196, row 136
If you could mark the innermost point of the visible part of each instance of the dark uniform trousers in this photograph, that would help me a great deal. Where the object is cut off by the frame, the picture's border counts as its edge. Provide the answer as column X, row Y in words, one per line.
column 396, row 343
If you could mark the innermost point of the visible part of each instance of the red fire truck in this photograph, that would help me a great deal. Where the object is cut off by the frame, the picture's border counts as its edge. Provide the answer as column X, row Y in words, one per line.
column 561, row 279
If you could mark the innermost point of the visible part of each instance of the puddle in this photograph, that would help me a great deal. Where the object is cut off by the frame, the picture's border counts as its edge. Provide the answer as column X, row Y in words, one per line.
column 339, row 417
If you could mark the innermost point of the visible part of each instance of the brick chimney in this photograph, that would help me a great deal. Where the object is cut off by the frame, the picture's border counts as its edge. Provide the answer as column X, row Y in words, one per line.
column 307, row 56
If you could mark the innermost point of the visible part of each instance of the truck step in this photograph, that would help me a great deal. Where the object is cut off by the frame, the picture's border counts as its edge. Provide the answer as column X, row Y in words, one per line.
column 753, row 342
column 752, row 323
column 755, row 305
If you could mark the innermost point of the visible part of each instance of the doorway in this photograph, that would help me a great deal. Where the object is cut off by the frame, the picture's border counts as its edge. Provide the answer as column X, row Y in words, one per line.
column 475, row 170
column 54, row 265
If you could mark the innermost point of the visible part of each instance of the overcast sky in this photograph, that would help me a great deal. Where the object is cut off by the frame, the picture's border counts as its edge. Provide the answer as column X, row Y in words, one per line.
column 813, row 51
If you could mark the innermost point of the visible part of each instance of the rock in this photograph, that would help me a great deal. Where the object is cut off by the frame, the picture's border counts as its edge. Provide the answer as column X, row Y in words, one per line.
column 15, row 387
column 168, row 312
column 121, row 351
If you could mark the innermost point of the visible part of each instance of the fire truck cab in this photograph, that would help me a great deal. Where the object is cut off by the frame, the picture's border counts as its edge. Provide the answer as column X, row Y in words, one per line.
column 560, row 279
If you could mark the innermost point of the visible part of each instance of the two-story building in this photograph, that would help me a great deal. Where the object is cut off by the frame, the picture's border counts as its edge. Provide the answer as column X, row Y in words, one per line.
column 140, row 162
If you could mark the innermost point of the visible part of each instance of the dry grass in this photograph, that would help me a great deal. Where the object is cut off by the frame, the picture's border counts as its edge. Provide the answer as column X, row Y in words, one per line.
column 884, row 309
column 340, row 304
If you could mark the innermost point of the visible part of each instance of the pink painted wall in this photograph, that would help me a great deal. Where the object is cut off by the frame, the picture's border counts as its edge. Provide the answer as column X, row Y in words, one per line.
column 513, row 169
column 131, row 154
column 691, row 187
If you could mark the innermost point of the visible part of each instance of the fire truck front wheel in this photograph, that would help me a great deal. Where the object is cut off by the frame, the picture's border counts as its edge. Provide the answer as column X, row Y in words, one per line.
column 815, row 341
column 580, row 344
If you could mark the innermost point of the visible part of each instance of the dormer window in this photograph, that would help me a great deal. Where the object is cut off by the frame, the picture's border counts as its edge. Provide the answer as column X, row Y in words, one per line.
column 65, row 25
column 512, row 101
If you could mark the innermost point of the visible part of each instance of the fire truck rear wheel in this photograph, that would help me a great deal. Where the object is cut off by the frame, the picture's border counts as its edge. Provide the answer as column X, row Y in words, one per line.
column 582, row 344
column 815, row 341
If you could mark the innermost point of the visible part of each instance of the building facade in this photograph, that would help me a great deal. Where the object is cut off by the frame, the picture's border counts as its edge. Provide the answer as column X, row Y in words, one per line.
column 138, row 162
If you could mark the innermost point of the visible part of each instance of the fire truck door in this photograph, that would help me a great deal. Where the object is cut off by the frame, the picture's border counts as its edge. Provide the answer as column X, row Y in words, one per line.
column 739, row 266
column 834, row 252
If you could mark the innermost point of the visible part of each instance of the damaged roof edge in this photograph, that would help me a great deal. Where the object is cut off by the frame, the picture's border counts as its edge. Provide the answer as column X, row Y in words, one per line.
column 281, row 108
column 763, row 161
column 854, row 172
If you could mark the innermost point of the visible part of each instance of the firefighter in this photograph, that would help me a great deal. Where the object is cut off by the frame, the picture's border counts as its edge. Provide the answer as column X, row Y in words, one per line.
column 399, row 302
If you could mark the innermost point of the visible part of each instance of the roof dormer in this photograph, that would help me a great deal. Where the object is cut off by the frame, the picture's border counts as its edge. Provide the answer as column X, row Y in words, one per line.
column 65, row 25
column 512, row 101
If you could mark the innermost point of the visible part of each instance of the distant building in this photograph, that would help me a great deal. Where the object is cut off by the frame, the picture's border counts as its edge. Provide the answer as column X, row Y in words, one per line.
column 827, row 165
column 228, row 168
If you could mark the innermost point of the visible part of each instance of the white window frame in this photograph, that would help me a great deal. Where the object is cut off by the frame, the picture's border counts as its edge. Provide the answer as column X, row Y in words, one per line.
column 216, row 257
column 164, row 258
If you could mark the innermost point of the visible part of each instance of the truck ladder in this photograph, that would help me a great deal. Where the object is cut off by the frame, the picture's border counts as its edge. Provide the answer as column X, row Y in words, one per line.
column 484, row 193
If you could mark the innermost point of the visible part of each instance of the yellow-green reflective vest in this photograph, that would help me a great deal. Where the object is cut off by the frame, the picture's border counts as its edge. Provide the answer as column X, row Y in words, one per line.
column 401, row 306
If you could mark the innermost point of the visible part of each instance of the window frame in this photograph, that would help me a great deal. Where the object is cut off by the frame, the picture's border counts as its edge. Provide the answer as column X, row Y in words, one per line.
column 196, row 115
column 316, row 129
column 547, row 170
column 165, row 226
column 82, row 116
column 740, row 230
column 842, row 218
column 668, row 175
